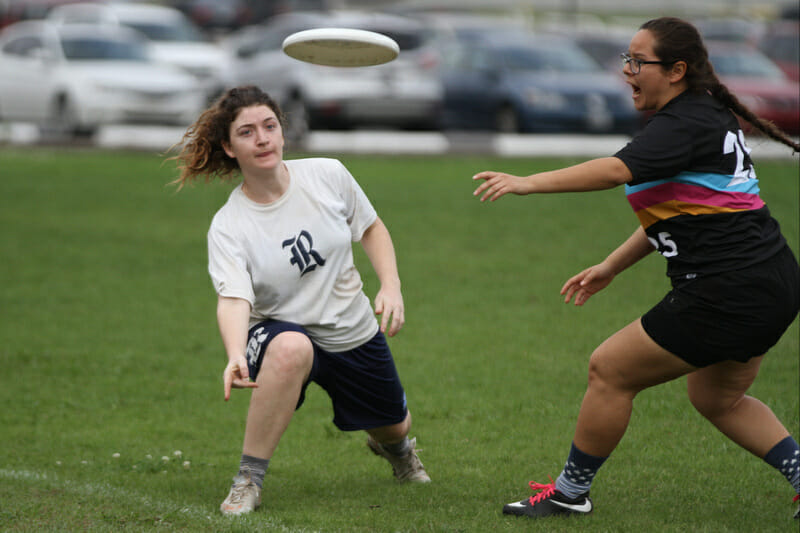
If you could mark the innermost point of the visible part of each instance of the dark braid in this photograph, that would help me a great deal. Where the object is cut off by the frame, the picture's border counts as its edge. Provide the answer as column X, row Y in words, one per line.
column 678, row 40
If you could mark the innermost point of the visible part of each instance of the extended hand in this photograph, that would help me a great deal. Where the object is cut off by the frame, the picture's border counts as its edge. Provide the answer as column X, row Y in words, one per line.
column 496, row 184
column 587, row 283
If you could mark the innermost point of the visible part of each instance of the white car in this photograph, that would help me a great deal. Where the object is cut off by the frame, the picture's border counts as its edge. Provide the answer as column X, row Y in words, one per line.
column 405, row 92
column 74, row 78
column 174, row 38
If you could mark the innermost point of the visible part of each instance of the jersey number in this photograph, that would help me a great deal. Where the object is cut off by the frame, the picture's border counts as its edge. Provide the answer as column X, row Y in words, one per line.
column 665, row 245
column 734, row 142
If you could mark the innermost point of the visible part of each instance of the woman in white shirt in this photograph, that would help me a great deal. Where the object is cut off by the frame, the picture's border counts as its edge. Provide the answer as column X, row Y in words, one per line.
column 291, row 309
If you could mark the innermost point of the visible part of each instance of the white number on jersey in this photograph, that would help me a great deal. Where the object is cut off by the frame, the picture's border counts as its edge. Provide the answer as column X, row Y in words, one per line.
column 734, row 142
column 665, row 245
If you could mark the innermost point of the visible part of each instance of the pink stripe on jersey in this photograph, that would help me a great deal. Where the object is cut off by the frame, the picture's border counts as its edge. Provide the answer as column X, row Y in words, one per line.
column 703, row 198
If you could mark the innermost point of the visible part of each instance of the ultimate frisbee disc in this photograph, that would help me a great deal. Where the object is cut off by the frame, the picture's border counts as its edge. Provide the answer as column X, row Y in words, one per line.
column 341, row 47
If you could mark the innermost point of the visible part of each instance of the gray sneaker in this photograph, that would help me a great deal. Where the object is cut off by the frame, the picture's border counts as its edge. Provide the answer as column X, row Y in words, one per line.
column 244, row 497
column 407, row 467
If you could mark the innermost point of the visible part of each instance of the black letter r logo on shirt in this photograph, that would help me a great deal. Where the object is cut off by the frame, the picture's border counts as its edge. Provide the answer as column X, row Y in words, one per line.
column 303, row 254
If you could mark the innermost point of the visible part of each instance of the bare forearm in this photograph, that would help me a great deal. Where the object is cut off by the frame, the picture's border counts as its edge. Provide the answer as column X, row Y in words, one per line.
column 378, row 246
column 597, row 174
column 636, row 247
column 233, row 317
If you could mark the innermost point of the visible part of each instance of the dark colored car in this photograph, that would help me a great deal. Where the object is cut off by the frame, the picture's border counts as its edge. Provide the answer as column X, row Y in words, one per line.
column 520, row 82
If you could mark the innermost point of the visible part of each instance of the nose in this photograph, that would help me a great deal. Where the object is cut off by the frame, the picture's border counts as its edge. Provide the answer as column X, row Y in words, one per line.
column 261, row 136
column 626, row 68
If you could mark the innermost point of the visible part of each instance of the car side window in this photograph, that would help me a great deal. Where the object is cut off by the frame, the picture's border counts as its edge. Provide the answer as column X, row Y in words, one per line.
column 481, row 61
column 23, row 46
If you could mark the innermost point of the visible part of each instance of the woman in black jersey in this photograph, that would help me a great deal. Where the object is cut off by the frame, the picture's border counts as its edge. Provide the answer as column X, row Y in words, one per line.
column 735, row 282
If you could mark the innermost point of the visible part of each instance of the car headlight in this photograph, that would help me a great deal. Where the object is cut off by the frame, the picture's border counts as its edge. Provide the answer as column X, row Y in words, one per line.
column 544, row 99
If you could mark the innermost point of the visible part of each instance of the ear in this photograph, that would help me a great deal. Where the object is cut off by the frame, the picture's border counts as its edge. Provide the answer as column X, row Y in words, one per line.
column 677, row 72
column 227, row 147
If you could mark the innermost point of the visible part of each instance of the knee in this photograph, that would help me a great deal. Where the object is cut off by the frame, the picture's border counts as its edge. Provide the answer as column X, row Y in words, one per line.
column 600, row 371
column 290, row 353
column 607, row 376
column 710, row 404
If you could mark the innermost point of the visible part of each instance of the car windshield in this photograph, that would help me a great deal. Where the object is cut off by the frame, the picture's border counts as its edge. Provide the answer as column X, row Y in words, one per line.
column 746, row 64
column 555, row 59
column 168, row 32
column 93, row 48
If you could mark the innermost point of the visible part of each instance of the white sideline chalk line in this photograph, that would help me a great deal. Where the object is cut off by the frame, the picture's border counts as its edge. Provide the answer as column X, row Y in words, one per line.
column 164, row 507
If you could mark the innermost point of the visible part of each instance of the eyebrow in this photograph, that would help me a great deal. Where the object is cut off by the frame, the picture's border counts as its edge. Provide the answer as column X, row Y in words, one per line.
column 251, row 124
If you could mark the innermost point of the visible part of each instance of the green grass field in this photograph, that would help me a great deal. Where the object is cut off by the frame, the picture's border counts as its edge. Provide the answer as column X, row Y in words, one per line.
column 109, row 346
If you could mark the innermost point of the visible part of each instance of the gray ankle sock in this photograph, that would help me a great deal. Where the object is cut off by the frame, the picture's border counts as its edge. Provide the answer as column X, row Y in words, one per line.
column 398, row 449
column 254, row 467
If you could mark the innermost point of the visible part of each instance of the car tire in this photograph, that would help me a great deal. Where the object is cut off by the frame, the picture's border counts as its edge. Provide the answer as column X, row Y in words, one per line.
column 506, row 119
column 63, row 121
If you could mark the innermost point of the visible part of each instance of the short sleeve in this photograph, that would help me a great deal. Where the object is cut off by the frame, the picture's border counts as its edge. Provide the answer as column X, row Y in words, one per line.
column 227, row 265
column 662, row 149
column 359, row 211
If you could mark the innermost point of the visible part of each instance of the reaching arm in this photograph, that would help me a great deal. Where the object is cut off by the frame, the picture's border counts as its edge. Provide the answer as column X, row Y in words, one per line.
column 593, row 175
column 598, row 277
column 377, row 244
column 233, row 316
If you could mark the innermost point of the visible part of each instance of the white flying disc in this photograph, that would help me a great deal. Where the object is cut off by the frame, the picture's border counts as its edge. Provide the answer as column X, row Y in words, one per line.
column 341, row 47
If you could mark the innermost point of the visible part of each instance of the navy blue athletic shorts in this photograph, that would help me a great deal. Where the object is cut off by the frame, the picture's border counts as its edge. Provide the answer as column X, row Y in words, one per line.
column 362, row 383
column 729, row 316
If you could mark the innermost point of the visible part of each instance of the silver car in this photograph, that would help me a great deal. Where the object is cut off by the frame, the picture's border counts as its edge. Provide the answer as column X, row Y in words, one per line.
column 403, row 93
column 74, row 78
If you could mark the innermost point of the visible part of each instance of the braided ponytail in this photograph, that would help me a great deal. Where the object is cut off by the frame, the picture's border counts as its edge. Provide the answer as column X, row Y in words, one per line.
column 678, row 40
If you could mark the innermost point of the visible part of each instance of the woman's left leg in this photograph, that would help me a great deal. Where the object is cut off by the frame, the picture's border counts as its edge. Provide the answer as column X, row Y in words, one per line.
column 393, row 444
column 718, row 393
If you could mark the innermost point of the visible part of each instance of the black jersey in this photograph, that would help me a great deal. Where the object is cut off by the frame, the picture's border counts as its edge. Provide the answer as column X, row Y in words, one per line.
column 695, row 191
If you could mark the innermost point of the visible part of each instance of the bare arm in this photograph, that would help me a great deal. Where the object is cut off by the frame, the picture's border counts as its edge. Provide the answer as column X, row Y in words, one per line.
column 233, row 317
column 598, row 277
column 377, row 244
column 593, row 175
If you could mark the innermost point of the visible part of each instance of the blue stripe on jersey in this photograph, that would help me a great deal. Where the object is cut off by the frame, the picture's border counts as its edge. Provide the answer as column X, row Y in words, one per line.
column 709, row 180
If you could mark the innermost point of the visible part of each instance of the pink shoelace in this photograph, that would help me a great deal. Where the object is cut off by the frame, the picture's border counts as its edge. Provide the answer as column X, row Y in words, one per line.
column 547, row 490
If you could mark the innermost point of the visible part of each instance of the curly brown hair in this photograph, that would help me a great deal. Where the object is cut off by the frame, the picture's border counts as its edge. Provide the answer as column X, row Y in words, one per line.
column 678, row 40
column 201, row 149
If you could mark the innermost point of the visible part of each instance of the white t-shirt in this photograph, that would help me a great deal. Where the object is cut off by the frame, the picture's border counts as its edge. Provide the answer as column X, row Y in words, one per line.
column 293, row 259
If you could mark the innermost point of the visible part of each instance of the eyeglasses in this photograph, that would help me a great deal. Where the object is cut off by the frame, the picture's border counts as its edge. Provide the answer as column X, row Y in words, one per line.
column 636, row 64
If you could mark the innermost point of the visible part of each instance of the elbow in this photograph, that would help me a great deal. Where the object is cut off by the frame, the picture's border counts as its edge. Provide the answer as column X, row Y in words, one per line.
column 619, row 173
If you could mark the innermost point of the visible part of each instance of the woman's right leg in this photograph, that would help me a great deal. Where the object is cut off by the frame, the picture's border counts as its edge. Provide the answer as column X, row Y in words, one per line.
column 285, row 368
column 625, row 364
column 286, row 365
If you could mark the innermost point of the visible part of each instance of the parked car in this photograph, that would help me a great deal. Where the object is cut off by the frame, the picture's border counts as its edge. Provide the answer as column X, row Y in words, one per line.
column 781, row 43
column 403, row 93
column 174, row 39
column 605, row 48
column 520, row 82
column 74, row 78
column 758, row 83
column 12, row 11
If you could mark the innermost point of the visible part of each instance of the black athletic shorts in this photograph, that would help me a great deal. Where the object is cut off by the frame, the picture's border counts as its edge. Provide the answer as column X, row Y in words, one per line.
column 362, row 383
column 730, row 316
